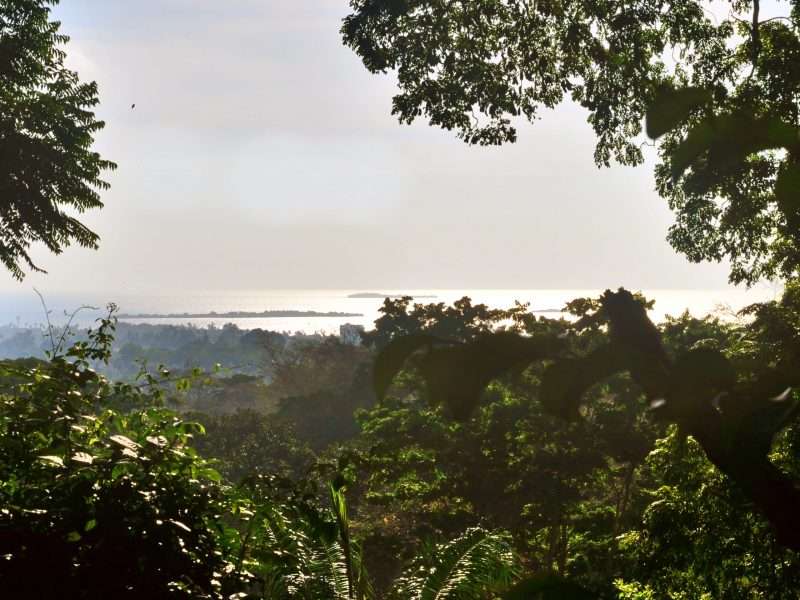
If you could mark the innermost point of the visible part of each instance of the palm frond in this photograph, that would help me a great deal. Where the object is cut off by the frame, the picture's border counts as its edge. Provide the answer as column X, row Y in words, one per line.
column 329, row 568
column 470, row 567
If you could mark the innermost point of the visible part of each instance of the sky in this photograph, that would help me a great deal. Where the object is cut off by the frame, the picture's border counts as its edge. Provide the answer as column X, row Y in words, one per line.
column 261, row 154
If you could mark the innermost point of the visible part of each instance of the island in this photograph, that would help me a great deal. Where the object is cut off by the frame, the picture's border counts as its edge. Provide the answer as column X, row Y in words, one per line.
column 267, row 314
column 377, row 295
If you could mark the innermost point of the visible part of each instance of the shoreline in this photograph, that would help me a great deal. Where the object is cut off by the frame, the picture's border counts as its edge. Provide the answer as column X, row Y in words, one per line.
column 267, row 314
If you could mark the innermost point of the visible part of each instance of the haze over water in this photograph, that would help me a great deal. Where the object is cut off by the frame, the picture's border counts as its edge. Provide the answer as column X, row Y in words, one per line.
column 25, row 308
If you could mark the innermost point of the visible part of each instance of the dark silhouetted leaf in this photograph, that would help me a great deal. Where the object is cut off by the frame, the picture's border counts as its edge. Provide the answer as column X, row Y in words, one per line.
column 670, row 107
column 729, row 139
column 704, row 368
column 548, row 587
column 700, row 379
column 456, row 376
column 752, row 423
column 565, row 382
column 637, row 340
column 787, row 194
column 391, row 359
column 772, row 417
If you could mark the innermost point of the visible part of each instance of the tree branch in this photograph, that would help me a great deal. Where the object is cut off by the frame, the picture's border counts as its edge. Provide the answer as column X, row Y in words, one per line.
column 755, row 36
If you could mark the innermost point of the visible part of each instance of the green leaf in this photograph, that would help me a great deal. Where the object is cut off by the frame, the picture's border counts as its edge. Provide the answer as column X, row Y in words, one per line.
column 83, row 457
column 125, row 442
column 670, row 107
column 470, row 566
column 211, row 475
column 191, row 428
column 55, row 461
column 119, row 470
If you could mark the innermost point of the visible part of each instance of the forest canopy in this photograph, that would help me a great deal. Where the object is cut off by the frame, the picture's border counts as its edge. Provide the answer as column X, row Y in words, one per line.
column 453, row 452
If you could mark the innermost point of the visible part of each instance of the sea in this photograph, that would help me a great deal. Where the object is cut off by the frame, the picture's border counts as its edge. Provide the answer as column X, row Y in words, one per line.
column 26, row 309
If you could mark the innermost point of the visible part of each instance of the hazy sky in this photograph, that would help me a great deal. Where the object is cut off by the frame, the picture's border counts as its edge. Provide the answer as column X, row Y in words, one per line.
column 261, row 154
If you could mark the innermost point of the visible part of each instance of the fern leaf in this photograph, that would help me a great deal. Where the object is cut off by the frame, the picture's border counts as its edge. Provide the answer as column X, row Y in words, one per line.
column 467, row 568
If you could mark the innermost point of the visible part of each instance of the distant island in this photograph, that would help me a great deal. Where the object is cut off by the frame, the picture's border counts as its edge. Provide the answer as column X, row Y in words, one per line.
column 267, row 314
column 377, row 295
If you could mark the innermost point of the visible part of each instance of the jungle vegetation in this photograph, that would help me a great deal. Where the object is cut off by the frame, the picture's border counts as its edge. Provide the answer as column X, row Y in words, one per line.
column 461, row 452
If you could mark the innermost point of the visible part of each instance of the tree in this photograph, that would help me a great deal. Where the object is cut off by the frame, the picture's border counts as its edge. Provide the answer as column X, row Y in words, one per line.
column 696, row 538
column 48, row 171
column 247, row 443
column 475, row 66
column 461, row 321
column 733, row 409
column 319, row 386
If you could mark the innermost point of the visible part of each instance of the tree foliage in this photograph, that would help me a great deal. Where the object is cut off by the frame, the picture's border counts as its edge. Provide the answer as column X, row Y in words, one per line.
column 48, row 170
column 734, row 416
column 105, row 495
column 725, row 83
column 618, row 457
column 697, row 536
column 105, row 502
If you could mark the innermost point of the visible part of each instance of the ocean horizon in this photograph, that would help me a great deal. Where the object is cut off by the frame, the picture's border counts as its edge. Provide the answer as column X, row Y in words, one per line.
column 25, row 309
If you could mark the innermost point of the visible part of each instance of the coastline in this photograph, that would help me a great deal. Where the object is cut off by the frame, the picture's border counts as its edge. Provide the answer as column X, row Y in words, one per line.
column 267, row 314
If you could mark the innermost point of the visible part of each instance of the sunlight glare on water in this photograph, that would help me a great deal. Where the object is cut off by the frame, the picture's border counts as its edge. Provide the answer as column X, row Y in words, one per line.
column 26, row 310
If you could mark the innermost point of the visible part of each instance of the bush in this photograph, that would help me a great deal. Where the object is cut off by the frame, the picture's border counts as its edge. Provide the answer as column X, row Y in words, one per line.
column 98, row 502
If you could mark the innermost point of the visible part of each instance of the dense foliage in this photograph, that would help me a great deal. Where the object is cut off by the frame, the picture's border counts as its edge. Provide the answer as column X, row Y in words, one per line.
column 105, row 502
column 616, row 499
column 98, row 475
column 103, row 491
column 463, row 452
